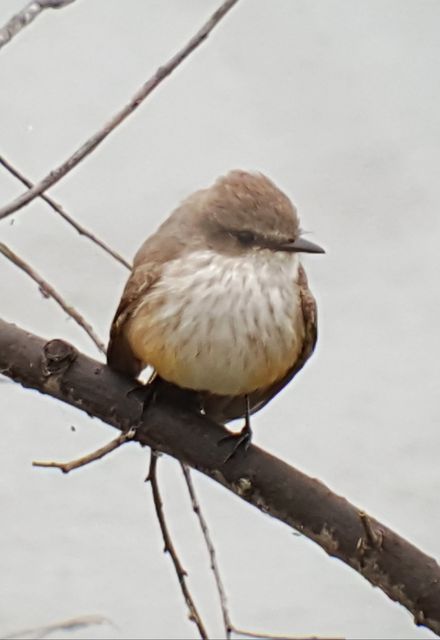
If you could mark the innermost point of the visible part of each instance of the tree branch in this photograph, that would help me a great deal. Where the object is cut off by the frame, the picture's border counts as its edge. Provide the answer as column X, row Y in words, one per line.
column 73, row 624
column 211, row 551
column 90, row 145
column 66, row 467
column 26, row 16
column 181, row 574
column 269, row 636
column 49, row 292
column 402, row 571
column 68, row 218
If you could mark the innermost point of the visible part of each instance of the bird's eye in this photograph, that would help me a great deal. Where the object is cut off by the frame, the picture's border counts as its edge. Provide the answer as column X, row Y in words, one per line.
column 246, row 237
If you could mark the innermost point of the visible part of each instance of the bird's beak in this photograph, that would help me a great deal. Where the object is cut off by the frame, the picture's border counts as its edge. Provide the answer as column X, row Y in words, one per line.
column 301, row 245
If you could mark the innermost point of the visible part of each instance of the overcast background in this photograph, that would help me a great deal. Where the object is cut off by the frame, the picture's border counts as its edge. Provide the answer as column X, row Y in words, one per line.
column 338, row 102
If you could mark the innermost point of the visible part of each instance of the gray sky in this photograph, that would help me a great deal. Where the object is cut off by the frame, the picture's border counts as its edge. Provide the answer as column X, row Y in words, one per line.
column 337, row 101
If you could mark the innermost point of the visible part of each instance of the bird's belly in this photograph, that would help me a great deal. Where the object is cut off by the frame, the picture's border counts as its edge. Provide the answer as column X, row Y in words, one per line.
column 225, row 327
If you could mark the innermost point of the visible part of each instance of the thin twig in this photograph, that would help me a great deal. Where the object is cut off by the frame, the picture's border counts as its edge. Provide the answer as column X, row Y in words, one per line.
column 91, row 144
column 68, row 218
column 48, row 291
column 194, row 615
column 211, row 550
column 73, row 624
column 264, row 636
column 26, row 16
column 90, row 457
column 229, row 627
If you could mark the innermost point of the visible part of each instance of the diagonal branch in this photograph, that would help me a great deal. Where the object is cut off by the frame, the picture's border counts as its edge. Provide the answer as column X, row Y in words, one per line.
column 68, row 218
column 92, row 143
column 269, row 636
column 73, row 624
column 26, row 16
column 194, row 615
column 211, row 550
column 229, row 627
column 401, row 570
column 49, row 292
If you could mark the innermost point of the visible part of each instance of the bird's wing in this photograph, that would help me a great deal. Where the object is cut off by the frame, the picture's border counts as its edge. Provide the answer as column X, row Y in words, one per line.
column 119, row 353
column 224, row 409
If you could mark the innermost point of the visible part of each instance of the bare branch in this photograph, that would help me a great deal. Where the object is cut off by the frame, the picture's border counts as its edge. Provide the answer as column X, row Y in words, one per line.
column 401, row 570
column 194, row 615
column 68, row 218
column 230, row 628
column 268, row 636
column 90, row 145
column 65, row 467
column 211, row 550
column 65, row 625
column 49, row 292
column 26, row 16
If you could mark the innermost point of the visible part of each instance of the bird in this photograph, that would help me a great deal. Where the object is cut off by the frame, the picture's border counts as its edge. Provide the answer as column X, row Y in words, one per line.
column 218, row 302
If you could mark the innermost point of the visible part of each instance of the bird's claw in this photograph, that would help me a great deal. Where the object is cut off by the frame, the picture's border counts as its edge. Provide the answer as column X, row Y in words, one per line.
column 144, row 395
column 241, row 440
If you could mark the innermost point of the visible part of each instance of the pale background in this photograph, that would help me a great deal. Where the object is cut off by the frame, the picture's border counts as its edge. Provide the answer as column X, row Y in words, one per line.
column 337, row 101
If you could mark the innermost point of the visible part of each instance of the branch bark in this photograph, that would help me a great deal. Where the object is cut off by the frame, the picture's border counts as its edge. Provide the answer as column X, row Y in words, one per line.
column 391, row 563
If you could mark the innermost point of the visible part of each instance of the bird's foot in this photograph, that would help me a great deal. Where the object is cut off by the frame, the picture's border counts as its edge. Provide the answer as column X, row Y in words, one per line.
column 145, row 395
column 240, row 440
column 158, row 391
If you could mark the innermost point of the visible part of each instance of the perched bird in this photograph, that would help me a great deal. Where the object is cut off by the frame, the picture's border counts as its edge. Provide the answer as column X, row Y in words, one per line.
column 218, row 301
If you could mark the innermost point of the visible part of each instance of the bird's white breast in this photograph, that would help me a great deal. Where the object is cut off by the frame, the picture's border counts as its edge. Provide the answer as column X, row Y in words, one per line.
column 224, row 324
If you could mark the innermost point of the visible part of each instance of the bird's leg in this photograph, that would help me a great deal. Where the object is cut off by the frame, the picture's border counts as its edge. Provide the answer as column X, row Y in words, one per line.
column 243, row 438
column 145, row 395
column 159, row 391
column 247, row 418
